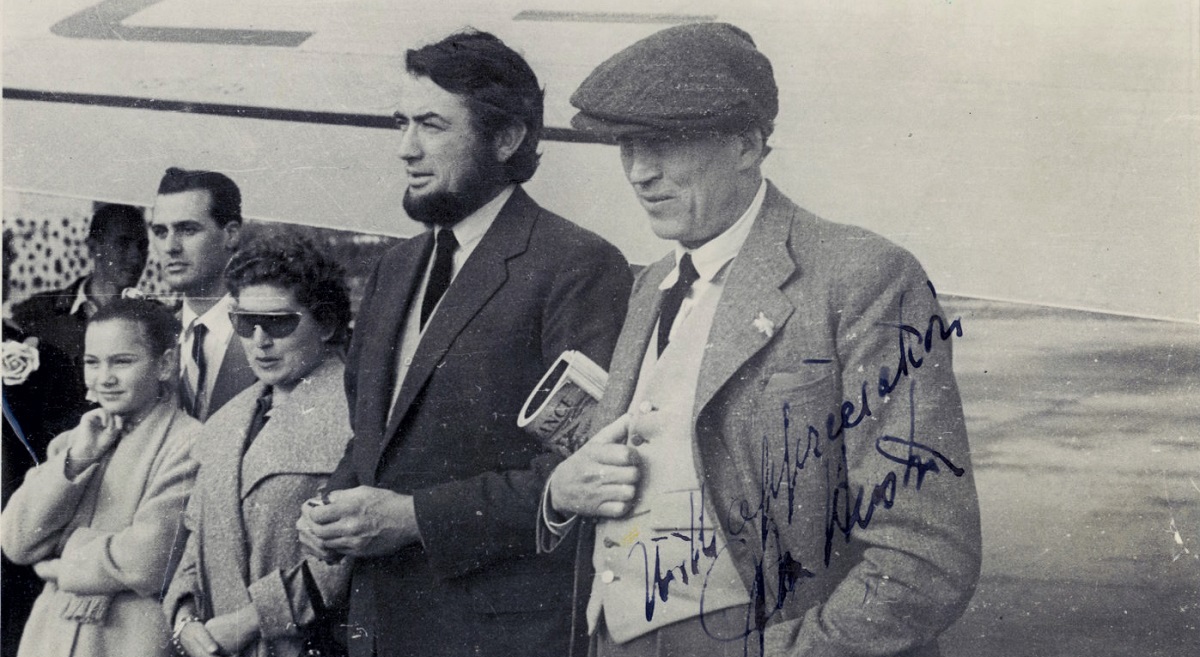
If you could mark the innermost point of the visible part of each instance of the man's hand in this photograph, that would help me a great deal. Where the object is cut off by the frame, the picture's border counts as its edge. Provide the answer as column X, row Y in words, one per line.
column 48, row 569
column 233, row 631
column 359, row 522
column 601, row 478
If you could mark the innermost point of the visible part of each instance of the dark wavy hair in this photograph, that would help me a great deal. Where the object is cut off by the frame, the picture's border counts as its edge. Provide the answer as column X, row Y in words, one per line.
column 287, row 259
column 158, row 322
column 224, row 196
column 498, row 85
column 115, row 215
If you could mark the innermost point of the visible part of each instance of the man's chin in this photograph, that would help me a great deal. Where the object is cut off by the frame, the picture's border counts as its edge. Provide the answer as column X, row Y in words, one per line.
column 440, row 208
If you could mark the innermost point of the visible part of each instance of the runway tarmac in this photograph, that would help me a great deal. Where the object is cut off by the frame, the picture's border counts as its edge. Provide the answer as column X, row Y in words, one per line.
column 1085, row 437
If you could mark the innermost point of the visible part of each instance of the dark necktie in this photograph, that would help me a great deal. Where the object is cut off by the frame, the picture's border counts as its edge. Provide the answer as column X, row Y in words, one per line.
column 257, row 421
column 199, row 332
column 672, row 299
column 439, row 274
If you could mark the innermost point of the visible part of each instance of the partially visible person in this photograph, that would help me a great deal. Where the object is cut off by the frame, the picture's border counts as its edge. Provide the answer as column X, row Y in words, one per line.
column 781, row 465
column 438, row 492
column 195, row 228
column 244, row 587
column 35, row 410
column 97, row 520
column 117, row 246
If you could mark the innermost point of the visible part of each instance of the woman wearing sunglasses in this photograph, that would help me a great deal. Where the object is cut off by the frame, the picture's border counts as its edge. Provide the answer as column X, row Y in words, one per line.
column 98, row 518
column 244, row 587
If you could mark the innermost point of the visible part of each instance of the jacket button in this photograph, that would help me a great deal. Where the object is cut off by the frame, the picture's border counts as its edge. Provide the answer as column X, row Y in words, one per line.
column 646, row 407
column 637, row 440
column 607, row 577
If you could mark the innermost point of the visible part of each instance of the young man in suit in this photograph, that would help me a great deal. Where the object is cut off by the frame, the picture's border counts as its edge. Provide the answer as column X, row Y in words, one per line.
column 782, row 467
column 438, row 491
column 195, row 227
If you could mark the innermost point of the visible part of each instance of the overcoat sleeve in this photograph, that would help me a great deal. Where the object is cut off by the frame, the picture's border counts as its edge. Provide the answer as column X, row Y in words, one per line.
column 135, row 557
column 99, row 561
column 40, row 510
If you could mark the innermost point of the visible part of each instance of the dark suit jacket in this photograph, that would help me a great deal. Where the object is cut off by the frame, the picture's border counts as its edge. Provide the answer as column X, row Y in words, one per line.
column 234, row 376
column 48, row 316
column 844, row 550
column 535, row 286
column 42, row 411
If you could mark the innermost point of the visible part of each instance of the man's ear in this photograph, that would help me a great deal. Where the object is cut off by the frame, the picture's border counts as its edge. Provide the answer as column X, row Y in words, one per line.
column 233, row 235
column 507, row 140
column 752, row 148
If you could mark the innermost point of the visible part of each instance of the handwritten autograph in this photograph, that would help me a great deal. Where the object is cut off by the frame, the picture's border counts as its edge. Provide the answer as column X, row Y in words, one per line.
column 847, row 508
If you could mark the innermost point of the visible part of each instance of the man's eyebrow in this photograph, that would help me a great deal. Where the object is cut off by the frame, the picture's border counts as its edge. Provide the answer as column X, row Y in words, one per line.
column 419, row 117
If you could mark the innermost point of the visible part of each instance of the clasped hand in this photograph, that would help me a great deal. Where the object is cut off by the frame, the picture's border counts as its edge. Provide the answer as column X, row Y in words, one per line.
column 601, row 479
column 358, row 522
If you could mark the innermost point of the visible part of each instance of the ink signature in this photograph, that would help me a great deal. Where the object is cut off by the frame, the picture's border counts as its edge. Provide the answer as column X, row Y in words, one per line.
column 847, row 508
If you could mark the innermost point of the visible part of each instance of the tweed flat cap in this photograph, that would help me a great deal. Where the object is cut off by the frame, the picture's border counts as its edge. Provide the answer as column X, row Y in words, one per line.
column 704, row 77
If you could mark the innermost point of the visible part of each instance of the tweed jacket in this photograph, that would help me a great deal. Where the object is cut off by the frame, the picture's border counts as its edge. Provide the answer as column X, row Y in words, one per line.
column 829, row 437
column 113, row 526
column 535, row 286
column 242, row 549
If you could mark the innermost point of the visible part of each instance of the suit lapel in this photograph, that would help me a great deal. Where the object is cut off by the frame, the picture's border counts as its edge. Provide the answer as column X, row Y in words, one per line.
column 482, row 275
column 752, row 308
column 377, row 362
column 234, row 376
column 633, row 342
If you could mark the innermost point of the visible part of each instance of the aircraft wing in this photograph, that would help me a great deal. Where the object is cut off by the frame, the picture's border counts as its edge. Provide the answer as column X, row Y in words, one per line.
column 1046, row 154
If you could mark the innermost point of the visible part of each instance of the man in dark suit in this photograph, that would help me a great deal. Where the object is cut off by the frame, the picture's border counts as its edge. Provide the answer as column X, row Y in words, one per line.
column 782, row 464
column 195, row 226
column 438, row 491
column 117, row 246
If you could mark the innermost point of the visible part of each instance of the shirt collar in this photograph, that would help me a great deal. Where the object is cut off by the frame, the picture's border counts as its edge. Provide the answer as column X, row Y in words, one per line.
column 470, row 230
column 81, row 297
column 712, row 256
column 215, row 318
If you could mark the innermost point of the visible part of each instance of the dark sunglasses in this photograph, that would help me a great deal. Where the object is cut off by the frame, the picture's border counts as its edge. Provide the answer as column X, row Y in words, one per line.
column 275, row 325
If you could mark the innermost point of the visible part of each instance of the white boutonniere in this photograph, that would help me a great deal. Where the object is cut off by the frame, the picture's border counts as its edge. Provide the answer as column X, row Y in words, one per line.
column 20, row 360
column 764, row 325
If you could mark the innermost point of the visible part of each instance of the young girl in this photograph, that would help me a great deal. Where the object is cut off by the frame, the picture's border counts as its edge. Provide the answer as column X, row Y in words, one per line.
column 98, row 518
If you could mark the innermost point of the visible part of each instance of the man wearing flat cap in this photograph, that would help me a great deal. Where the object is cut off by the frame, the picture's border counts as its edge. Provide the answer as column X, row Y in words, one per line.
column 780, row 463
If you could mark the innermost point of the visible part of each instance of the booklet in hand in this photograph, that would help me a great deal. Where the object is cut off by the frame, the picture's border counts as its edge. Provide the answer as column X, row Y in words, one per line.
column 555, row 409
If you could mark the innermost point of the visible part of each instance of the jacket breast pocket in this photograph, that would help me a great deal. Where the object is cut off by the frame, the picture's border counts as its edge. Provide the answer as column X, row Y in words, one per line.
column 792, row 401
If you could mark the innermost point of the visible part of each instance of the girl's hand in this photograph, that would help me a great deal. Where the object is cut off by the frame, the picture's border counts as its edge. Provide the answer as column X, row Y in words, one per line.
column 197, row 642
column 48, row 569
column 98, row 432
column 235, row 630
